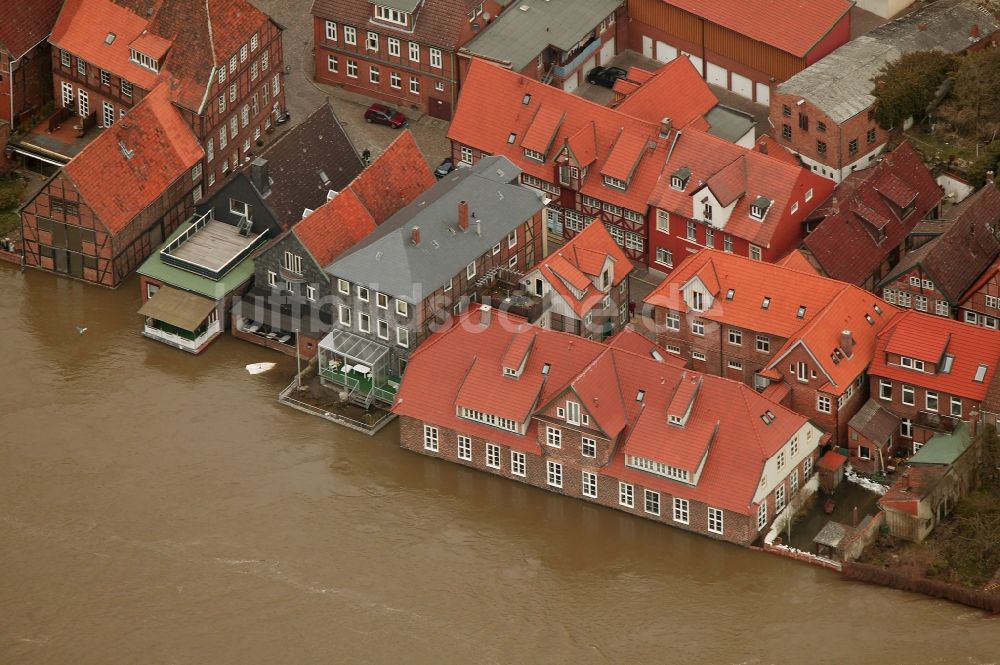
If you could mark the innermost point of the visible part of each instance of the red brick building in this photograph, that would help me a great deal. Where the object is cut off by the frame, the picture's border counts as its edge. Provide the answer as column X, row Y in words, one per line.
column 932, row 373
column 25, row 75
column 605, row 424
column 861, row 229
column 936, row 276
column 221, row 59
column 585, row 283
column 804, row 339
column 980, row 305
column 103, row 213
column 649, row 182
column 742, row 45
column 826, row 113
column 399, row 51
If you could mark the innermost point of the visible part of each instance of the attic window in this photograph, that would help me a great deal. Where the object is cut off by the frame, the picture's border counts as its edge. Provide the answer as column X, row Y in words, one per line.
column 980, row 373
column 869, row 319
column 617, row 183
column 110, row 39
column 545, row 369
column 730, row 293
column 679, row 179
column 507, row 371
column 767, row 417
column 759, row 208
column 534, row 154
column 526, row 99
column 511, row 137
column 801, row 312
column 878, row 310
column 947, row 363
column 656, row 355
column 639, row 395
column 766, row 302
column 674, row 420
column 144, row 60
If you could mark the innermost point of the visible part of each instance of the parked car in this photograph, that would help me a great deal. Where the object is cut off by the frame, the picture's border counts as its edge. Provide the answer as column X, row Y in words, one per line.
column 383, row 115
column 605, row 76
column 444, row 168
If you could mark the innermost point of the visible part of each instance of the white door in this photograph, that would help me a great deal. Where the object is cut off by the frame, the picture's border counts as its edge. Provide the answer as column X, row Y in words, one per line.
column 665, row 52
column 647, row 46
column 742, row 86
column 569, row 85
column 84, row 101
column 608, row 51
column 717, row 75
column 67, row 94
column 763, row 94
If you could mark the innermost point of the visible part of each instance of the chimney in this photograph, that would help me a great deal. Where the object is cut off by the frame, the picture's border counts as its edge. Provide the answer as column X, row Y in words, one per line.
column 989, row 176
column 921, row 27
column 762, row 146
column 415, row 235
column 847, row 343
column 854, row 517
column 479, row 228
column 259, row 176
column 906, row 481
column 974, row 31
column 666, row 124
column 974, row 424
column 485, row 314
column 463, row 215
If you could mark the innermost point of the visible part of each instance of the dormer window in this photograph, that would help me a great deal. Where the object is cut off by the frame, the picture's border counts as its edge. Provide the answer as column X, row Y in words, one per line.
column 759, row 208
column 615, row 182
column 674, row 420
column 390, row 15
column 697, row 301
column 680, row 178
column 911, row 363
column 144, row 60
column 533, row 154
column 706, row 211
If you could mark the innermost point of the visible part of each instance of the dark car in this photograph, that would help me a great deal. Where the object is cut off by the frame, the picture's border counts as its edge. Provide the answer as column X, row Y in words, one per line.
column 444, row 168
column 383, row 115
column 605, row 76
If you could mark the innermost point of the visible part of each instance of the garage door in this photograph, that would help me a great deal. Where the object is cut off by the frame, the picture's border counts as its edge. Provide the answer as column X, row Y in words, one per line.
column 742, row 86
column 608, row 51
column 717, row 75
column 569, row 85
column 647, row 47
column 665, row 52
column 763, row 94
column 695, row 60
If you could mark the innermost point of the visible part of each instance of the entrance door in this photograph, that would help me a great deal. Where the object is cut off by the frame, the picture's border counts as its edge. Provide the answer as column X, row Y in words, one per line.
column 439, row 108
column 647, row 46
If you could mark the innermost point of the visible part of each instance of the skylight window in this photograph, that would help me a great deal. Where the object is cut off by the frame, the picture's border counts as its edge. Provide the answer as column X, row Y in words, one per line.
column 869, row 319
column 110, row 39
column 640, row 395
column 878, row 310
column 545, row 369
column 801, row 312
column 511, row 137
column 526, row 99
column 730, row 293
column 980, row 373
column 766, row 303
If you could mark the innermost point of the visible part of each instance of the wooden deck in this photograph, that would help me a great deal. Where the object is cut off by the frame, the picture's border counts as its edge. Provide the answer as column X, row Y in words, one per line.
column 213, row 245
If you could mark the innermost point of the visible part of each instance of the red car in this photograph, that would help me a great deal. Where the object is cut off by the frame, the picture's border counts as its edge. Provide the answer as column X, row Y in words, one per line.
column 383, row 115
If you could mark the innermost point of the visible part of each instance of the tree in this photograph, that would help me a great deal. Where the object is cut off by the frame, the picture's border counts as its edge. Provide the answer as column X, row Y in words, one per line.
column 977, row 86
column 906, row 87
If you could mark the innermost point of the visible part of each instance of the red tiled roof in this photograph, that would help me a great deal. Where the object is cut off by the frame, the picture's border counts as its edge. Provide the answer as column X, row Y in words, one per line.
column 492, row 107
column 542, row 129
column 676, row 91
column 794, row 26
column 848, row 244
column 394, row 178
column 928, row 337
column 443, row 23
column 195, row 35
column 987, row 276
column 334, row 227
column 25, row 24
column 831, row 461
column 827, row 307
column 910, row 489
column 628, row 339
column 795, row 260
column 162, row 147
column 580, row 263
column 726, row 413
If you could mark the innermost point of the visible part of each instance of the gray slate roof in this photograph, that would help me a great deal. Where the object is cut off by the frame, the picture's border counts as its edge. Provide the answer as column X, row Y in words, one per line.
column 519, row 36
column 840, row 84
column 390, row 263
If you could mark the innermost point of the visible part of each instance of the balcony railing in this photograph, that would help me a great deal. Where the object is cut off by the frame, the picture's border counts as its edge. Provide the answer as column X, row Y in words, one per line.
column 568, row 68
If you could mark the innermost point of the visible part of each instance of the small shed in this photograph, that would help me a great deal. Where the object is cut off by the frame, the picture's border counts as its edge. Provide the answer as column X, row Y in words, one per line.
column 830, row 538
column 831, row 470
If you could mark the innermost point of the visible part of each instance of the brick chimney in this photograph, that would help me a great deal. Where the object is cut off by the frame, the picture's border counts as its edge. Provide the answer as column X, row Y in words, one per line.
column 762, row 147
column 666, row 124
column 463, row 215
column 847, row 343
column 415, row 235
column 259, row 176
column 974, row 31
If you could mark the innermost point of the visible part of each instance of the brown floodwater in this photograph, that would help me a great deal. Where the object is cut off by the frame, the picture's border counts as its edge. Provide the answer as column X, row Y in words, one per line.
column 157, row 507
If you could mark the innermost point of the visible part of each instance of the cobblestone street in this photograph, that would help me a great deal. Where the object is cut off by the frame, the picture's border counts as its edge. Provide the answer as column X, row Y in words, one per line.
column 304, row 95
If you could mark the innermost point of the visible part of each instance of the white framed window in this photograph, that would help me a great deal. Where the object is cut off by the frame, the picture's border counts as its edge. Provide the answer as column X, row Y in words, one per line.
column 588, row 484
column 464, row 448
column 343, row 286
column 763, row 344
column 906, row 428
column 310, row 292
column 698, row 327
column 762, row 515
column 492, row 455
column 344, row 316
column 402, row 337
column 331, row 31
column 414, row 85
column 517, row 464
column 272, row 278
column 381, row 300
column 352, row 69
column 793, row 481
column 435, row 57
column 430, row 438
column 392, row 43
column 372, row 42
column 414, row 52
column 807, row 469
column 553, row 436
column 755, row 253
column 331, row 63
column 779, row 498
column 350, row 35
column 673, row 320
column 554, row 474
column 735, row 337
column 956, row 406
column 626, row 495
column 402, row 309
column 391, row 15
column 395, row 80
column 588, row 447
column 931, row 401
column 909, row 395
column 682, row 508
column 382, row 329
column 697, row 355
column 572, row 412
column 823, row 404
column 512, row 239
column 715, row 520
column 254, row 42
column 65, row 58
column 470, row 270
column 664, row 257
column 362, row 293
column 364, row 322
column 466, row 154
column 885, row 390
column 781, row 460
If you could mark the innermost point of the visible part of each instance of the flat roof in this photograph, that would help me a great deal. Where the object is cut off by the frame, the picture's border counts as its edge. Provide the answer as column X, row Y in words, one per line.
column 528, row 27
column 212, row 246
column 944, row 448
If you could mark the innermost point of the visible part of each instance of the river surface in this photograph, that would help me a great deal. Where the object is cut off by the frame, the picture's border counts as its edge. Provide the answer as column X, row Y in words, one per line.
column 157, row 507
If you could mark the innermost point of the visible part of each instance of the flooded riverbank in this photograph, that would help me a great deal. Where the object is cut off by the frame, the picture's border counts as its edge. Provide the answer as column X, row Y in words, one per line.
column 157, row 507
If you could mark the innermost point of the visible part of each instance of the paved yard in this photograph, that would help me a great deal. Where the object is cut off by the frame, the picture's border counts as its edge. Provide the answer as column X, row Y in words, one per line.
column 304, row 95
